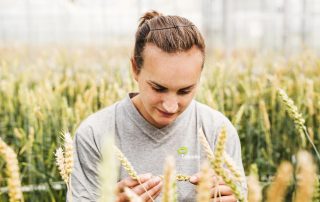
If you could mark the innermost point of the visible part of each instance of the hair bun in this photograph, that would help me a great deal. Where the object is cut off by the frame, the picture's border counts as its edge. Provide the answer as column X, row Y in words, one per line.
column 148, row 16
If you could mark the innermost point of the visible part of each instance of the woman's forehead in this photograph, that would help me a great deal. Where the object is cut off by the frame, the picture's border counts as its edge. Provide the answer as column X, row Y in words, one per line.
column 183, row 68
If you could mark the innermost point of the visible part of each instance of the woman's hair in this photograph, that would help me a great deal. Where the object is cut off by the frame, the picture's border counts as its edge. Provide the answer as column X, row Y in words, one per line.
column 169, row 33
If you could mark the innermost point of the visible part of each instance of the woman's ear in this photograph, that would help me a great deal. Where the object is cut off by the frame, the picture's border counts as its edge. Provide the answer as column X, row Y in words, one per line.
column 134, row 68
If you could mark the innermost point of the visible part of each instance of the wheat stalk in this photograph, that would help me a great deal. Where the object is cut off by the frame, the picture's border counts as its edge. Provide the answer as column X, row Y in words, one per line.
column 169, row 186
column 277, row 190
column 126, row 164
column 254, row 189
column 238, row 115
column 60, row 161
column 205, row 184
column 12, row 170
column 218, row 164
column 306, row 177
column 108, row 180
column 68, row 146
column 205, row 144
column 64, row 161
column 231, row 165
column 129, row 168
column 226, row 158
column 316, row 194
column 266, row 124
column 297, row 118
column 310, row 97
column 292, row 110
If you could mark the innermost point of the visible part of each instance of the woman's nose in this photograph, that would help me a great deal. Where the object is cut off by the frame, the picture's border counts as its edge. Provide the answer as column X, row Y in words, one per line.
column 170, row 105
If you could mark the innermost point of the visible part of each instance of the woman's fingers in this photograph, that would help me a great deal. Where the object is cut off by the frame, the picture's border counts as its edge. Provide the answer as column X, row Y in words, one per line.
column 194, row 179
column 152, row 186
column 221, row 190
column 216, row 181
column 154, row 192
column 158, row 193
column 230, row 198
column 141, row 189
column 122, row 197
column 129, row 182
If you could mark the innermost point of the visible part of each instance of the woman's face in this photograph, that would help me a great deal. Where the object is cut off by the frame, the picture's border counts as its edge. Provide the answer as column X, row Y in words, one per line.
column 167, row 83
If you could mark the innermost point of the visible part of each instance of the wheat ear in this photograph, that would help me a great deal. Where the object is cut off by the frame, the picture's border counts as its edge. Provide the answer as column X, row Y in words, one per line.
column 226, row 158
column 316, row 194
column 254, row 189
column 61, row 164
column 130, row 170
column 169, row 187
column 231, row 165
column 12, row 170
column 205, row 184
column 218, row 164
column 108, row 179
column 306, row 177
column 277, row 190
column 297, row 118
column 68, row 158
column 64, row 161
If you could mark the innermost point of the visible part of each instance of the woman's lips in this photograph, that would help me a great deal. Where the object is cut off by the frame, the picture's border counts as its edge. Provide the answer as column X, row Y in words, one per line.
column 165, row 113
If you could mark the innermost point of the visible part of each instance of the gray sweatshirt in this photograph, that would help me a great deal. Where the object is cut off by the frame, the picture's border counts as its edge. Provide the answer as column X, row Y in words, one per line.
column 146, row 146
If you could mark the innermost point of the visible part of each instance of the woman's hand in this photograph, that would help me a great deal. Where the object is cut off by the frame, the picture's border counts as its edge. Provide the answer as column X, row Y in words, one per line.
column 151, row 183
column 219, row 188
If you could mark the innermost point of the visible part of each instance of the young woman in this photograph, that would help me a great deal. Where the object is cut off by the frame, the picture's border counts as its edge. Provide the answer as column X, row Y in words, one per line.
column 161, row 119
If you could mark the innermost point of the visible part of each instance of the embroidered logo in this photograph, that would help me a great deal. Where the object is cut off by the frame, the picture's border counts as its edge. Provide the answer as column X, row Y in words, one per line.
column 182, row 151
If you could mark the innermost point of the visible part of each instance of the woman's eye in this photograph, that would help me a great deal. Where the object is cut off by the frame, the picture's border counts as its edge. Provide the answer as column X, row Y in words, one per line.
column 184, row 92
column 159, row 90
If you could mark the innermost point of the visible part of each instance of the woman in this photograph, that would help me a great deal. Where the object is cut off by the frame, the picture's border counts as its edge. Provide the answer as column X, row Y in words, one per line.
column 161, row 119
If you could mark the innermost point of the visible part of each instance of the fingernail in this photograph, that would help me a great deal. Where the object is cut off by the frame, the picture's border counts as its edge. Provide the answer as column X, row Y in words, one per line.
column 193, row 179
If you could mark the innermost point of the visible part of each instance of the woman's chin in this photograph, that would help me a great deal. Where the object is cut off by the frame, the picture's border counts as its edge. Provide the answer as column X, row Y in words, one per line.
column 164, row 121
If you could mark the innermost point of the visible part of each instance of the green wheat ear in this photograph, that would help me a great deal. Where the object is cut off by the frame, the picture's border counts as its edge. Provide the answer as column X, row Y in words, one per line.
column 294, row 114
column 218, row 165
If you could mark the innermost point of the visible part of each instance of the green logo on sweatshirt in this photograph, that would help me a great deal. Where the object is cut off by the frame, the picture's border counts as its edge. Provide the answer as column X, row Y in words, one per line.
column 183, row 150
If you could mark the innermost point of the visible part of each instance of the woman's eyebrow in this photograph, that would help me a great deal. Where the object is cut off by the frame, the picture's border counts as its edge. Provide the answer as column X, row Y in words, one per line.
column 188, row 87
column 160, row 86
column 156, row 84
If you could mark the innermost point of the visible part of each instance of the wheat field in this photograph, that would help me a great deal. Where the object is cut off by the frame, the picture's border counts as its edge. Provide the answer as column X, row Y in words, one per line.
column 47, row 91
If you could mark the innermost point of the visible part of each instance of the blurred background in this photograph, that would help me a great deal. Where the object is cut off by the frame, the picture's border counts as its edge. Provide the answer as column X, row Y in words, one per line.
column 62, row 60
column 287, row 25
